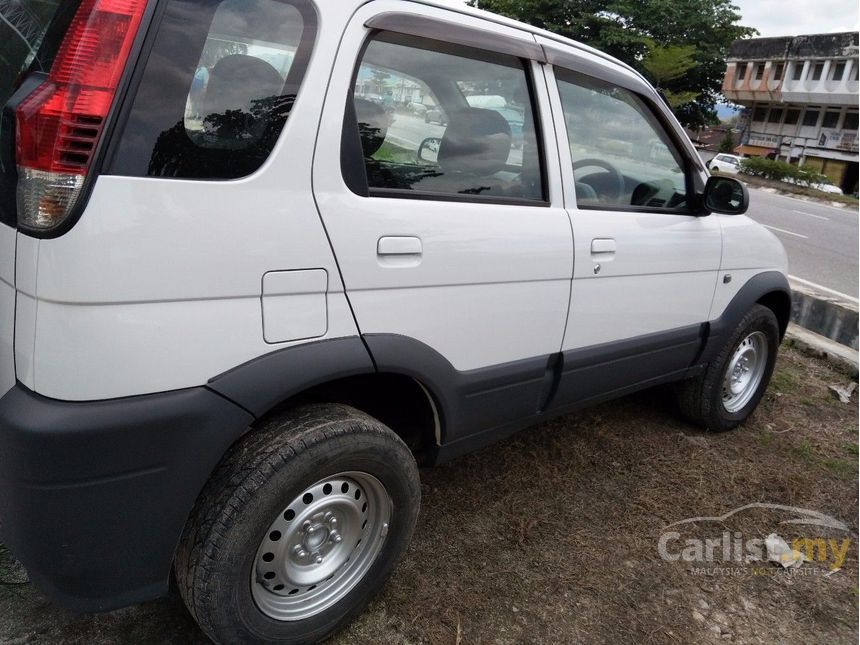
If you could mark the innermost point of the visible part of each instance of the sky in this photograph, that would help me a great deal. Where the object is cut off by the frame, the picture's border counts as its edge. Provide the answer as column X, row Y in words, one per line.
column 793, row 17
column 796, row 17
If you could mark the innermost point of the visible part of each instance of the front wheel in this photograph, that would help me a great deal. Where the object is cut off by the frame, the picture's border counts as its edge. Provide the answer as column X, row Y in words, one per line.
column 299, row 527
column 731, row 386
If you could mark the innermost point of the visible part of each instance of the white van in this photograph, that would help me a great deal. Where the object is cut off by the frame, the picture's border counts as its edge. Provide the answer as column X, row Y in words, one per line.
column 238, row 305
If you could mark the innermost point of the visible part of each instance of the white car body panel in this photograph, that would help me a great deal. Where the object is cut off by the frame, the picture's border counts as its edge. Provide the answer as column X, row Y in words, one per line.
column 158, row 285
column 492, row 282
column 7, row 308
column 748, row 249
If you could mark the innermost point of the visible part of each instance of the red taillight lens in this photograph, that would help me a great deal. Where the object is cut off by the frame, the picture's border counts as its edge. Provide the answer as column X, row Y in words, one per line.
column 59, row 124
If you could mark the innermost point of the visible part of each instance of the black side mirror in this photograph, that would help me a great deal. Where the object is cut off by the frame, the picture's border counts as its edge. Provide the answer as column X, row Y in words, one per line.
column 725, row 195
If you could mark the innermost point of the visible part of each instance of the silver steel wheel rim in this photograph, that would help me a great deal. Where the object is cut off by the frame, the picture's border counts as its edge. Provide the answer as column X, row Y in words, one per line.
column 320, row 546
column 744, row 372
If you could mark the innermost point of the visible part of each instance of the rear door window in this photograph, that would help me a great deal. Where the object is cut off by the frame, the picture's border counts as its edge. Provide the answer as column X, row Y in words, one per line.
column 439, row 120
column 217, row 88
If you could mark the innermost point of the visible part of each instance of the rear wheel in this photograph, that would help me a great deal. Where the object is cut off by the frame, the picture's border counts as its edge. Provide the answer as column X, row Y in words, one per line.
column 731, row 386
column 299, row 527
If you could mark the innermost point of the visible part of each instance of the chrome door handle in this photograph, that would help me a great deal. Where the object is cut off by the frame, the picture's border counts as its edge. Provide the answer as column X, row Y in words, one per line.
column 397, row 245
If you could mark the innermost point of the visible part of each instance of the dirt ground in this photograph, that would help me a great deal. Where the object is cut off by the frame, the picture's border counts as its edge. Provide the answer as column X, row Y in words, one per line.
column 552, row 536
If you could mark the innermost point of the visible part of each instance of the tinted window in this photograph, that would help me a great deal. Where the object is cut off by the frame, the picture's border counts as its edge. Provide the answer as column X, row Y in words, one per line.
column 850, row 121
column 622, row 156
column 777, row 71
column 775, row 115
column 217, row 88
column 810, row 118
column 798, row 71
column 838, row 71
column 792, row 116
column 439, row 119
column 760, row 114
column 830, row 120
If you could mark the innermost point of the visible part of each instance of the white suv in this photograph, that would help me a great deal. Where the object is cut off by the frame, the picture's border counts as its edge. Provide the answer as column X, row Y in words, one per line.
column 245, row 287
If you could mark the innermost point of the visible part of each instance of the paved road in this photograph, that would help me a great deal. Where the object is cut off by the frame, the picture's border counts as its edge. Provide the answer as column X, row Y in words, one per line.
column 821, row 241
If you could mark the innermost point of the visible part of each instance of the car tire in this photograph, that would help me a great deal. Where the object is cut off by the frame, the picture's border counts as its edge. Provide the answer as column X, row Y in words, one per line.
column 290, row 480
column 729, row 389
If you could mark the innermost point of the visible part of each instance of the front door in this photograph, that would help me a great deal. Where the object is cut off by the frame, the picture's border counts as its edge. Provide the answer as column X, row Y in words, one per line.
column 645, row 264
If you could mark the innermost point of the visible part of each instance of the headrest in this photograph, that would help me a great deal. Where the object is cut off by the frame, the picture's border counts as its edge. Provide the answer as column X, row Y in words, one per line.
column 238, row 80
column 476, row 141
column 372, row 125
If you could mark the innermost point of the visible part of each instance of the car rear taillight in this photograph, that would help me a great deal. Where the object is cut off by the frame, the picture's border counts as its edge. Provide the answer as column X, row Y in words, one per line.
column 59, row 124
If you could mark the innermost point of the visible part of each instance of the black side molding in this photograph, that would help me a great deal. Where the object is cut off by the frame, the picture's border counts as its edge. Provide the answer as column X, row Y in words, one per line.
column 260, row 384
column 756, row 288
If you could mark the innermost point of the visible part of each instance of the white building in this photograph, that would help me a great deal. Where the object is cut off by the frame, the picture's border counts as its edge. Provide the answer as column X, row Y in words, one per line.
column 800, row 95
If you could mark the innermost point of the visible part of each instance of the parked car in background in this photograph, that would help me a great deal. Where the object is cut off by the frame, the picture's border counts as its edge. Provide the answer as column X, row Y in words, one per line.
column 730, row 164
column 823, row 186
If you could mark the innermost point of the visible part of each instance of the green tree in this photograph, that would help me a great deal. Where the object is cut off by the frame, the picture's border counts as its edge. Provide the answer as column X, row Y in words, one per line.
column 665, row 66
column 728, row 143
column 629, row 29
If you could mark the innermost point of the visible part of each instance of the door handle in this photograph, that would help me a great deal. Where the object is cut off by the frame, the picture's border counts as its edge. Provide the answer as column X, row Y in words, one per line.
column 601, row 246
column 399, row 246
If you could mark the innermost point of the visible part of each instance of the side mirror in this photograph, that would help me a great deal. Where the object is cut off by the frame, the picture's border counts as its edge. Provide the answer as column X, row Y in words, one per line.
column 725, row 195
column 428, row 151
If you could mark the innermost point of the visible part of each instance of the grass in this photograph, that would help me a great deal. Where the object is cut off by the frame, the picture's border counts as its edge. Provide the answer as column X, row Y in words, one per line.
column 551, row 536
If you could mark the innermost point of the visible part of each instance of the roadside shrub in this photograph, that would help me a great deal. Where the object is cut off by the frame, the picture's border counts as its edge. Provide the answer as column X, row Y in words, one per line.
column 781, row 171
column 768, row 168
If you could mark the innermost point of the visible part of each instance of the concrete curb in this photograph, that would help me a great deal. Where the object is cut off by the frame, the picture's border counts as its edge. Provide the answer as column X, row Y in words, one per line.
column 844, row 358
column 827, row 315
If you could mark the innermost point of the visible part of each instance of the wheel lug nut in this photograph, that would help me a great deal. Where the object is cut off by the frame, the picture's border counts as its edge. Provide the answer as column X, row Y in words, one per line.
column 318, row 558
column 333, row 521
column 306, row 525
column 310, row 530
column 336, row 537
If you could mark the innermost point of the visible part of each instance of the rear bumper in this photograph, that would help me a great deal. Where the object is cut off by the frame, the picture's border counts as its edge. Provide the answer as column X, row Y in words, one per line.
column 94, row 496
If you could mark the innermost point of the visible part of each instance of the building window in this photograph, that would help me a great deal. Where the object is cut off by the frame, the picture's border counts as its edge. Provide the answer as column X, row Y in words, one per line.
column 792, row 116
column 759, row 71
column 853, row 76
column 810, row 118
column 777, row 71
column 741, row 72
column 838, row 70
column 760, row 114
column 775, row 115
column 798, row 71
column 817, row 70
column 850, row 122
column 830, row 119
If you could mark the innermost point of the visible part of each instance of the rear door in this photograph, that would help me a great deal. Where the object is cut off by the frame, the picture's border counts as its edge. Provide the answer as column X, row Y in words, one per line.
column 646, row 261
column 452, row 236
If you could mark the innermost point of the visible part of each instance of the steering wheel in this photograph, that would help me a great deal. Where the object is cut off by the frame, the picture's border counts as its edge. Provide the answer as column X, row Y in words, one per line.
column 616, row 189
